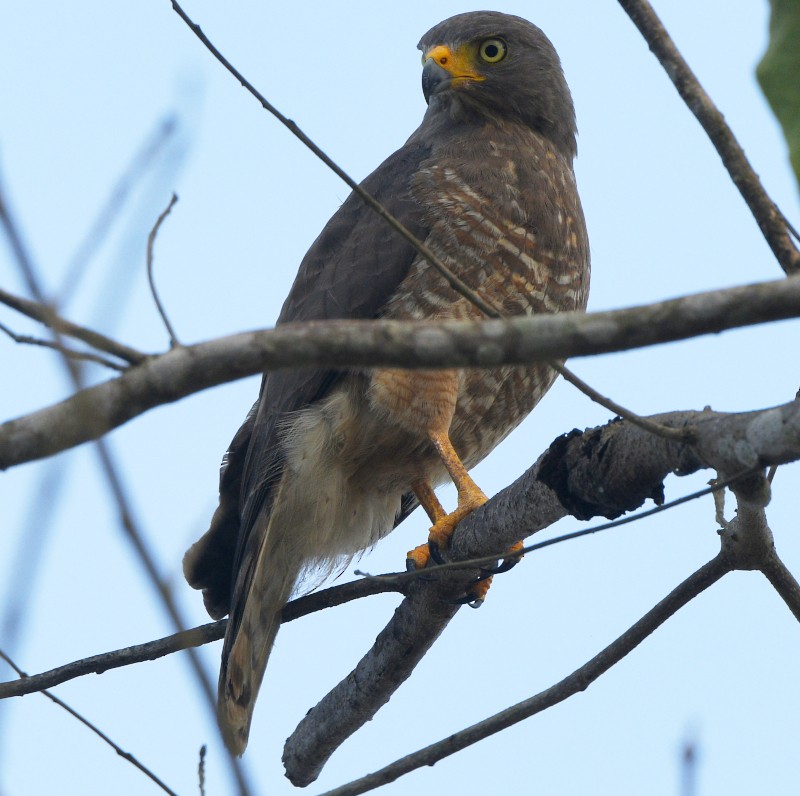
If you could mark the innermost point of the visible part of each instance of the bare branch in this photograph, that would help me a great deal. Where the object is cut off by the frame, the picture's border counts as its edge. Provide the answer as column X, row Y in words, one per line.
column 182, row 371
column 784, row 583
column 573, row 684
column 768, row 216
column 196, row 637
column 83, row 356
column 96, row 730
column 748, row 541
column 151, row 239
column 399, row 578
column 114, row 481
column 454, row 281
column 484, row 305
column 679, row 434
column 142, row 160
column 601, row 472
column 46, row 316
column 201, row 771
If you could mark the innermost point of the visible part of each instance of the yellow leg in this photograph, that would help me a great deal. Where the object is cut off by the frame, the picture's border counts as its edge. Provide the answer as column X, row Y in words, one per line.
column 470, row 495
column 419, row 557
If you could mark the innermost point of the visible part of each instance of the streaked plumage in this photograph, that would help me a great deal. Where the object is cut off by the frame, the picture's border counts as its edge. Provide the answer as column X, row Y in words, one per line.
column 324, row 464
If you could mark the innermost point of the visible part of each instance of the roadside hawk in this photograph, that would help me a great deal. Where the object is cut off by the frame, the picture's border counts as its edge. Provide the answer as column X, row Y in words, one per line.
column 330, row 461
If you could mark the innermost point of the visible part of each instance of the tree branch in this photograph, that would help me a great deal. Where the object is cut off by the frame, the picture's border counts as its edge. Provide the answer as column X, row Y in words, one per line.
column 92, row 412
column 601, row 472
column 574, row 683
column 768, row 216
column 447, row 274
column 66, row 351
column 783, row 582
column 49, row 318
column 95, row 729
column 151, row 239
column 196, row 637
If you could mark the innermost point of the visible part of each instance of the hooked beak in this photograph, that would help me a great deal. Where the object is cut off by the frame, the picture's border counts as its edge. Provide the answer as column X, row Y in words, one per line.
column 445, row 68
column 434, row 79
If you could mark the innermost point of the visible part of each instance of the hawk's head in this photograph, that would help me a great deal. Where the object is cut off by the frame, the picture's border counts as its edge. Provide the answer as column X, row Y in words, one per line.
column 496, row 65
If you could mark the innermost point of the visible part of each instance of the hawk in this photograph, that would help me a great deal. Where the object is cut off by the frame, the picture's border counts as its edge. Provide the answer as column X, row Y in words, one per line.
column 330, row 461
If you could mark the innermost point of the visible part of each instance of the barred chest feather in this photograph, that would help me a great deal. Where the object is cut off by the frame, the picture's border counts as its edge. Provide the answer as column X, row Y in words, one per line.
column 519, row 241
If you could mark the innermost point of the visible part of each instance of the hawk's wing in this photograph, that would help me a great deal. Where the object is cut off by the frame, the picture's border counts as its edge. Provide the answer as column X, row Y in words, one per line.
column 351, row 271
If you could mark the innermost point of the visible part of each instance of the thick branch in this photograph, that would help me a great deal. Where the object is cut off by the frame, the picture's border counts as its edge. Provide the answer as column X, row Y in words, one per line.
column 94, row 411
column 574, row 683
column 769, row 218
column 601, row 472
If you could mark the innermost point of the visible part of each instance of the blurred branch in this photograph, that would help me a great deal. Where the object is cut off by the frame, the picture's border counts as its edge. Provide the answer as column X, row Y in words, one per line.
column 151, row 239
column 49, row 318
column 768, row 216
column 121, row 752
column 83, row 356
column 138, row 166
column 196, row 637
column 182, row 371
column 573, row 684
column 113, row 477
column 201, row 771
column 600, row 472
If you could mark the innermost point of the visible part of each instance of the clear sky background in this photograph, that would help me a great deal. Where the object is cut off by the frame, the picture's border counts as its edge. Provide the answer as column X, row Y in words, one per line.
column 83, row 86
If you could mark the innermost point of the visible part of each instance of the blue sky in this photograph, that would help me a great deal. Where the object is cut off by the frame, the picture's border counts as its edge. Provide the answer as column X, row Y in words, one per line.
column 83, row 86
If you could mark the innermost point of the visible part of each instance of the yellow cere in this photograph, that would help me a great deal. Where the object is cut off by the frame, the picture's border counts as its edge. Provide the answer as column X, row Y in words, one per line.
column 459, row 63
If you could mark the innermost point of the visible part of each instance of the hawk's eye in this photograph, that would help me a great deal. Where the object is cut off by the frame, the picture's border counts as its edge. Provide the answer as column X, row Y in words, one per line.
column 493, row 50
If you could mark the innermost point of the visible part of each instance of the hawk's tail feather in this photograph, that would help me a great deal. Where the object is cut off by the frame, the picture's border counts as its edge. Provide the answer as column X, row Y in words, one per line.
column 251, row 632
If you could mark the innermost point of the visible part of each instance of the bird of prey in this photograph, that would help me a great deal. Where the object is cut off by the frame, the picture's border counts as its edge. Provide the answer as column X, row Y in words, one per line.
column 330, row 461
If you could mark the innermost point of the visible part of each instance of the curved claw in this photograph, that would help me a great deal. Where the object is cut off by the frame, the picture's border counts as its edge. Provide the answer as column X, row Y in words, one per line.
column 468, row 599
column 513, row 557
column 503, row 566
column 477, row 593
column 435, row 552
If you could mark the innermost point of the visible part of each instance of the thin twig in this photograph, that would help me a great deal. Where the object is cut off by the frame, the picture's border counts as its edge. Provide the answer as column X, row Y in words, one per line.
column 173, row 340
column 677, row 434
column 83, row 356
column 768, row 216
column 201, row 771
column 689, row 768
column 401, row 578
column 605, row 472
column 148, row 562
column 457, row 284
column 114, row 482
column 46, row 316
column 303, row 606
column 484, row 305
column 136, row 169
column 196, row 637
column 782, row 580
column 574, row 683
column 96, row 730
